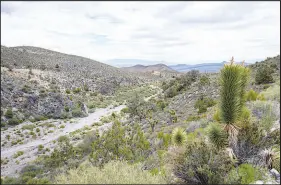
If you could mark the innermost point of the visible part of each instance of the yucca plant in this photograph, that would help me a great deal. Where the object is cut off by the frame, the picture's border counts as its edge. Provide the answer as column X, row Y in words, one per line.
column 217, row 136
column 179, row 137
column 233, row 80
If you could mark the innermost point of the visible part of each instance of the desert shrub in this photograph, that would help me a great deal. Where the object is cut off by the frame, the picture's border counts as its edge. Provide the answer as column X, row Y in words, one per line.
column 251, row 95
column 113, row 145
column 67, row 91
column 202, row 164
column 244, row 174
column 77, row 112
column 9, row 113
column 115, row 172
column 203, row 103
column 28, row 127
column 204, row 80
column 66, row 108
column 40, row 147
column 76, row 90
column 62, row 154
column 40, row 118
column 26, row 89
column 161, row 104
column 264, row 75
column 14, row 121
column 272, row 93
column 18, row 153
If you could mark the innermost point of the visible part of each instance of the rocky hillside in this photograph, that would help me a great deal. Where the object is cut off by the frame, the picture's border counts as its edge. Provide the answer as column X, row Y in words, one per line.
column 40, row 82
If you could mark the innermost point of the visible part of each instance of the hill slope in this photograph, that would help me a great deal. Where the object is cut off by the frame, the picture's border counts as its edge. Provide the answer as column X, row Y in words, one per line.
column 149, row 68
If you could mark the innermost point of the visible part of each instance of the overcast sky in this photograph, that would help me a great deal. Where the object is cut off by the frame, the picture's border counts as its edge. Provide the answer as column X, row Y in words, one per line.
column 174, row 32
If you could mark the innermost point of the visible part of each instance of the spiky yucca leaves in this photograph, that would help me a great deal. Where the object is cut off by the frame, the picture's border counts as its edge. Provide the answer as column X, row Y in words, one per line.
column 230, row 107
column 217, row 136
column 179, row 136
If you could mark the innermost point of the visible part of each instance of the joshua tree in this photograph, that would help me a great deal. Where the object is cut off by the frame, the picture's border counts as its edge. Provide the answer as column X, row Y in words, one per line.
column 233, row 79
column 179, row 136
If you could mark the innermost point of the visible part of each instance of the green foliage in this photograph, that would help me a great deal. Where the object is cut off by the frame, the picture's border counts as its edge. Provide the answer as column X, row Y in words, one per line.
column 9, row 113
column 77, row 112
column 77, row 90
column 264, row 75
column 272, row 93
column 251, row 95
column 67, row 91
column 37, row 130
column 113, row 145
column 125, row 110
column 179, row 137
column 203, row 103
column 217, row 136
column 14, row 121
column 161, row 104
column 217, row 115
column 114, row 172
column 202, row 164
column 28, row 127
column 233, row 80
column 40, row 147
column 204, row 80
column 18, row 153
column 244, row 174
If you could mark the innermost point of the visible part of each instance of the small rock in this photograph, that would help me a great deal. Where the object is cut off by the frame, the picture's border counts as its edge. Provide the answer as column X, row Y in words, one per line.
column 275, row 173
column 259, row 182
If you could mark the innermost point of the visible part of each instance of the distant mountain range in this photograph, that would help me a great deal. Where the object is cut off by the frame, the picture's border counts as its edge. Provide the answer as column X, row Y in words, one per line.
column 149, row 65
column 149, row 68
column 205, row 67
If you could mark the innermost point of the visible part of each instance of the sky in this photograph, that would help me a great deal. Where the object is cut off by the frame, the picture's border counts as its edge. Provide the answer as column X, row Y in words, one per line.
column 170, row 32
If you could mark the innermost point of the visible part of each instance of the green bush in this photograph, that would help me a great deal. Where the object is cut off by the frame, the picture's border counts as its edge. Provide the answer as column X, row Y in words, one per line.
column 18, row 153
column 28, row 127
column 40, row 147
column 77, row 90
column 67, row 91
column 9, row 113
column 245, row 174
column 202, row 164
column 203, row 103
column 114, row 172
column 272, row 93
column 204, row 80
column 14, row 121
column 113, row 145
column 77, row 112
column 251, row 95
column 264, row 75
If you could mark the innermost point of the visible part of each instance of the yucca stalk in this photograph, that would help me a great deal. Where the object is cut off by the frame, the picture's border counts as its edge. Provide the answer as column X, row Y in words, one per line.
column 233, row 80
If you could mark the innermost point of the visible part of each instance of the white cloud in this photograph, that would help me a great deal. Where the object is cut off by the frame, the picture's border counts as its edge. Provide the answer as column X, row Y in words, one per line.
column 175, row 32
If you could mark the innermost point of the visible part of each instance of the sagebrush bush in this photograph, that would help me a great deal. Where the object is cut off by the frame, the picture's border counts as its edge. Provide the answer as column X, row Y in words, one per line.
column 251, row 95
column 9, row 113
column 272, row 93
column 201, row 164
column 244, row 174
column 264, row 75
column 114, row 172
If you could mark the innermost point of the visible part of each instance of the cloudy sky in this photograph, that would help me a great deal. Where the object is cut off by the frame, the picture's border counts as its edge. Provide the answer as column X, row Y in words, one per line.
column 173, row 32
